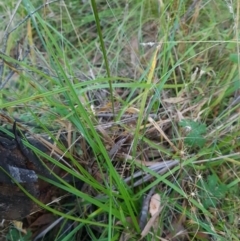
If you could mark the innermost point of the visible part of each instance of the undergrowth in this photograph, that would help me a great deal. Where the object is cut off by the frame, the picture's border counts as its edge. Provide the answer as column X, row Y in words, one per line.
column 138, row 97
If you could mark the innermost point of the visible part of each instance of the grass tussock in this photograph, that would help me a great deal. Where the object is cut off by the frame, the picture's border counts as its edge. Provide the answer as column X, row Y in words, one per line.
column 141, row 101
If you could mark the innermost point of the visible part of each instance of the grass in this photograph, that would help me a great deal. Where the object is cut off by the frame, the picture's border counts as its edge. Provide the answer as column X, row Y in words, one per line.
column 130, row 86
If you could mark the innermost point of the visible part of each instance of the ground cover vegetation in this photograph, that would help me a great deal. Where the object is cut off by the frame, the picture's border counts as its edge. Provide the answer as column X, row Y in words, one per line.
column 139, row 101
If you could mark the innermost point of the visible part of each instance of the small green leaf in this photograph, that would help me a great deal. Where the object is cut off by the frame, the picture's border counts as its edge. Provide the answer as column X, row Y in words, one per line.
column 218, row 190
column 14, row 235
column 194, row 126
column 194, row 139
column 196, row 131
column 212, row 191
column 234, row 58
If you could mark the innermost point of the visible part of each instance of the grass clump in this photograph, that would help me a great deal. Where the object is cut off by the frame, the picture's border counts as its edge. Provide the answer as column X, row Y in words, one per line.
column 138, row 97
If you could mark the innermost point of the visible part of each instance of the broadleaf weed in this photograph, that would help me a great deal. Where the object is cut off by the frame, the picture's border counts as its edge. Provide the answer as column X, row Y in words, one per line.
column 195, row 130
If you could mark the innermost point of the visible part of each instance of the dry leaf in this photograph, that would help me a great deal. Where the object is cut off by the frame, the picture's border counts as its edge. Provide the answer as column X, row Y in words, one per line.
column 44, row 219
column 155, row 204
column 154, row 209
column 132, row 110
column 180, row 115
column 174, row 100
column 19, row 226
column 150, row 223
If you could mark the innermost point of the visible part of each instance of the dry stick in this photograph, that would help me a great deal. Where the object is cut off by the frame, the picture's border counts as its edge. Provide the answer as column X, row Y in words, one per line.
column 131, row 117
column 159, row 168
